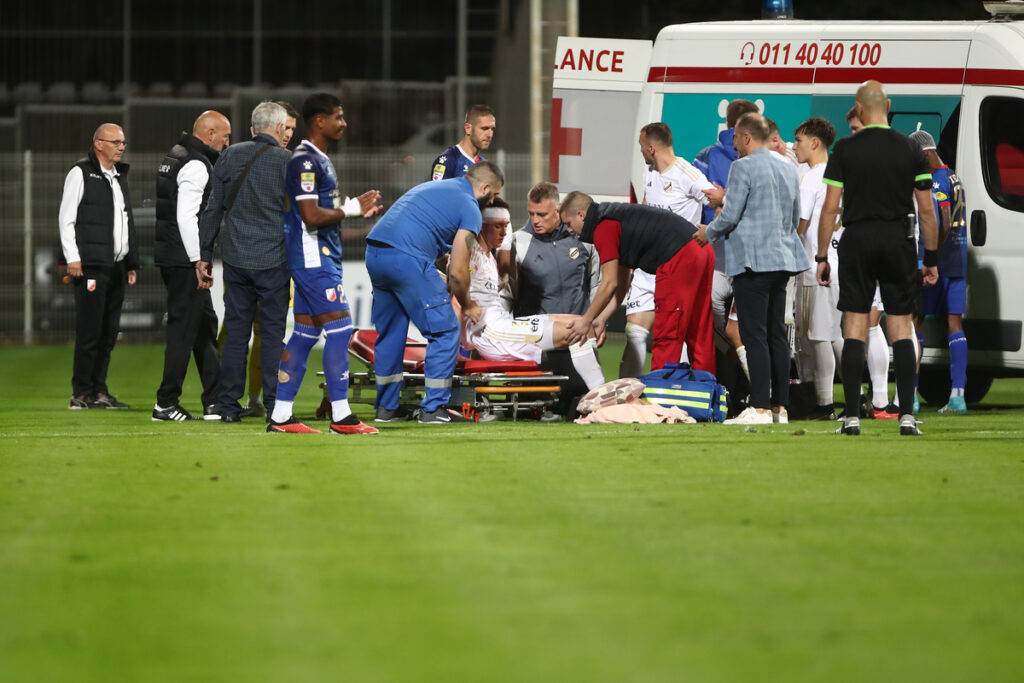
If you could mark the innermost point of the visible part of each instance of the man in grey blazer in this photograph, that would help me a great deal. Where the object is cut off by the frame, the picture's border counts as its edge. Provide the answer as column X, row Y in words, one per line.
column 762, row 251
column 248, row 197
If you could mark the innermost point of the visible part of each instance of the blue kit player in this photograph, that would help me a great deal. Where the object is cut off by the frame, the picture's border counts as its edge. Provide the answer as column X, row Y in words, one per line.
column 427, row 222
column 312, row 234
column 455, row 161
column 949, row 295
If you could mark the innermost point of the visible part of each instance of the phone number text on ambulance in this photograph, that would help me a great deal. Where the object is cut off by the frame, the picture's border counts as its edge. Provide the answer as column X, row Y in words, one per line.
column 809, row 54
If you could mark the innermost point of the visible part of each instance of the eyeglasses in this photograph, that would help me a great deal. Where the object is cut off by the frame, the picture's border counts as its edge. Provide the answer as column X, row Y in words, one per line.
column 115, row 143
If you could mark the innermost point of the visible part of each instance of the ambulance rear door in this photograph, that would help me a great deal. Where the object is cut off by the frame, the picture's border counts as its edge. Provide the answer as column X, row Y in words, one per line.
column 990, row 163
column 595, row 92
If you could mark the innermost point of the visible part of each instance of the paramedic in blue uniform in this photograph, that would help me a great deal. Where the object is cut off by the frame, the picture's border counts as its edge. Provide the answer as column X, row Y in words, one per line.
column 312, row 235
column 877, row 172
column 949, row 295
column 427, row 222
column 455, row 161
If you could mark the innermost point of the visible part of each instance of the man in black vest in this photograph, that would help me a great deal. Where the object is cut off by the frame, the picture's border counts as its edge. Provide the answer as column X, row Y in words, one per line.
column 629, row 236
column 97, row 235
column 182, row 190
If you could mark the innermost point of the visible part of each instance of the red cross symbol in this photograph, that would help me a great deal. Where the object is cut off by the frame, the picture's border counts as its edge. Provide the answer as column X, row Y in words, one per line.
column 564, row 141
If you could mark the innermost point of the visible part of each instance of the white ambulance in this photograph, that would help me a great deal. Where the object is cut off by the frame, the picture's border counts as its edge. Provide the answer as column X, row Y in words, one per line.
column 961, row 81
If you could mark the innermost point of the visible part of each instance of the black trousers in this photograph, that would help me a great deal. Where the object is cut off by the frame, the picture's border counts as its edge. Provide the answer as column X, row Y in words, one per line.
column 243, row 290
column 761, row 309
column 99, row 294
column 191, row 331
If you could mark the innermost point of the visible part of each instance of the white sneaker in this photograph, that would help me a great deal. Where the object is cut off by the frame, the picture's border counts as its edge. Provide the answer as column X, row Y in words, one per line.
column 750, row 416
column 908, row 426
column 781, row 417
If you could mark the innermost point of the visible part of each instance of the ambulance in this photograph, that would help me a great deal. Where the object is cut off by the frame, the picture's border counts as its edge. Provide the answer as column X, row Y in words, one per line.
column 961, row 81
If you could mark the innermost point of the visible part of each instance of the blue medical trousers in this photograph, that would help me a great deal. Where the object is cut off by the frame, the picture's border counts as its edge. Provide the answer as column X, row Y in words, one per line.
column 406, row 288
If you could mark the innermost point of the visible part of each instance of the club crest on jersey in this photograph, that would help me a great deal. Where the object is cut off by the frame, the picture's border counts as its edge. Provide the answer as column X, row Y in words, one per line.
column 325, row 251
column 331, row 294
column 438, row 171
column 667, row 186
column 307, row 181
column 90, row 285
column 574, row 253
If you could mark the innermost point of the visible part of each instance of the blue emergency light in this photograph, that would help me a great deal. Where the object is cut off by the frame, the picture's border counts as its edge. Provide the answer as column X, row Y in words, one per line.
column 777, row 9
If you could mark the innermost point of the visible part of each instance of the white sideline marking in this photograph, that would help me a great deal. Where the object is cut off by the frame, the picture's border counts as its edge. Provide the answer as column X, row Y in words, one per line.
column 78, row 435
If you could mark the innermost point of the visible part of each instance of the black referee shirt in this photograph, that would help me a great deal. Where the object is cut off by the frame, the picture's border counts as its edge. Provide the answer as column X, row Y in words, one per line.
column 878, row 170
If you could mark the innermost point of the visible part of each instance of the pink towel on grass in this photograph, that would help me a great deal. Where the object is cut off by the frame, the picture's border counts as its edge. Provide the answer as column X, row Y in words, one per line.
column 639, row 411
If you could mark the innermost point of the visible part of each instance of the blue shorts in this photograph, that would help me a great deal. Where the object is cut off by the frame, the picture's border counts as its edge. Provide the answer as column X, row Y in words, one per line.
column 948, row 296
column 318, row 291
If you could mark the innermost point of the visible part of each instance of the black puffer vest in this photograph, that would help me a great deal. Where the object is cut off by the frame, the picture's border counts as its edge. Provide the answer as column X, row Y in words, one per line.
column 168, row 249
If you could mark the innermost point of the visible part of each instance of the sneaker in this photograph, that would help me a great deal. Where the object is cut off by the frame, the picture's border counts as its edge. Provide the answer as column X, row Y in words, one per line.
column 107, row 401
column 850, row 426
column 825, row 412
column 890, row 412
column 547, row 416
column 254, row 408
column 80, row 402
column 781, row 417
column 352, row 425
column 440, row 416
column 956, row 406
column 173, row 414
column 211, row 413
column 908, row 426
column 399, row 414
column 750, row 416
column 290, row 426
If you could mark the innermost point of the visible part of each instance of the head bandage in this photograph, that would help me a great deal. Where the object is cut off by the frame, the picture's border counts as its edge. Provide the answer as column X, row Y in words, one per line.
column 496, row 215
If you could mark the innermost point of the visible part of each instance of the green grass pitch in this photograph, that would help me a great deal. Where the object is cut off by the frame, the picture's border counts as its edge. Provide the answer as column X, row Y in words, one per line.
column 141, row 551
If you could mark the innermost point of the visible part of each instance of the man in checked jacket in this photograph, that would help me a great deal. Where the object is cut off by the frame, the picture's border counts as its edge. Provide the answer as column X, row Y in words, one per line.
column 255, row 264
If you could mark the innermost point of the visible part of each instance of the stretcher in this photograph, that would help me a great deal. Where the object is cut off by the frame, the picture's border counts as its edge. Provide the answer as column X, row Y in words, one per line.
column 480, row 389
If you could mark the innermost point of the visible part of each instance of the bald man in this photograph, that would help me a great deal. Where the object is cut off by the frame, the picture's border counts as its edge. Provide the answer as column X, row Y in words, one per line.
column 182, row 190
column 878, row 172
column 97, row 235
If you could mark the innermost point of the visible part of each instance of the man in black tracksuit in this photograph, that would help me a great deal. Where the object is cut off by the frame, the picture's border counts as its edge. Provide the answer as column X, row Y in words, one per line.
column 97, row 235
column 182, row 190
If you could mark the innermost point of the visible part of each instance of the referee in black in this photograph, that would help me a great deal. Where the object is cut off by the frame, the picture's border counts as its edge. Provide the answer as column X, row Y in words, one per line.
column 878, row 172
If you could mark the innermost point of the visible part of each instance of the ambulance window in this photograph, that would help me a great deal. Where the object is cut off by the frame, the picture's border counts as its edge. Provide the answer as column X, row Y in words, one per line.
column 1002, row 150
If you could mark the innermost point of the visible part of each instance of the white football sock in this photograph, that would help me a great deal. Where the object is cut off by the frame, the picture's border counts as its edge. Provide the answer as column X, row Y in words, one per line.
column 824, row 371
column 741, row 353
column 339, row 409
column 878, row 366
column 634, row 354
column 282, row 411
column 584, row 359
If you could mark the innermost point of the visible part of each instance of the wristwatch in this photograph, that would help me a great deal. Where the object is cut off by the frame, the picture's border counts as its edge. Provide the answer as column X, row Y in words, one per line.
column 821, row 259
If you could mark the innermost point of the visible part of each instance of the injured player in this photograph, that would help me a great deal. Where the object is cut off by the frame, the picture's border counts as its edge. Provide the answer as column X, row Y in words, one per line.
column 499, row 336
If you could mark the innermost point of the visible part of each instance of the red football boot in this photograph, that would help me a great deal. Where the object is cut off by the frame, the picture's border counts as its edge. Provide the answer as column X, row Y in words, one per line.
column 352, row 425
column 291, row 426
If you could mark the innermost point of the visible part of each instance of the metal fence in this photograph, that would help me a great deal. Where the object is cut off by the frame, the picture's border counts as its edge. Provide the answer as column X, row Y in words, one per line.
column 37, row 307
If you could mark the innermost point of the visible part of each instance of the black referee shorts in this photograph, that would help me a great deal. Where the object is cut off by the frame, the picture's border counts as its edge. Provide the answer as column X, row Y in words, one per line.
column 871, row 253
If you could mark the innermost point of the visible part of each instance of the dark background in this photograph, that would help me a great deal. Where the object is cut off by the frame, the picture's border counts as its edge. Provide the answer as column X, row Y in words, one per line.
column 210, row 41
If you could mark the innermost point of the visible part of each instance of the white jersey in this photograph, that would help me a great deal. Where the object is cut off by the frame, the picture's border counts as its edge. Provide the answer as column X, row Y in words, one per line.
column 680, row 189
column 497, row 335
column 484, row 280
column 812, row 199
